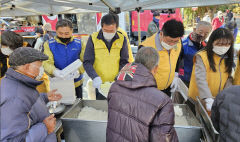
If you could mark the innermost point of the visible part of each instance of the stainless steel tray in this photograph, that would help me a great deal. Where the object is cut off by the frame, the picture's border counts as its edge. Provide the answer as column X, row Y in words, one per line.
column 76, row 130
column 207, row 122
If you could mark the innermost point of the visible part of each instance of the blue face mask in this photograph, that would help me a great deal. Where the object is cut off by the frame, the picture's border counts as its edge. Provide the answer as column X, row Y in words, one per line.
column 155, row 20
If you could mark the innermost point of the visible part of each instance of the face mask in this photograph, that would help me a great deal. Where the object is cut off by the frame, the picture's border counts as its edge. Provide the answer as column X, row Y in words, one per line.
column 108, row 36
column 41, row 72
column 197, row 38
column 155, row 20
column 64, row 40
column 220, row 50
column 6, row 51
column 168, row 47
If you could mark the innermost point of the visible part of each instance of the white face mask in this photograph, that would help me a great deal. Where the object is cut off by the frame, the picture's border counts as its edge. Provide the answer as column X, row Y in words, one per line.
column 6, row 51
column 168, row 47
column 108, row 36
column 41, row 72
column 220, row 50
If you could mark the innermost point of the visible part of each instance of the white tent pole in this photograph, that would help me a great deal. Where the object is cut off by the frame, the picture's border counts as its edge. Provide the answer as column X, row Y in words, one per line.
column 33, row 11
column 139, row 29
column 62, row 12
column 139, row 26
column 26, row 9
column 9, row 5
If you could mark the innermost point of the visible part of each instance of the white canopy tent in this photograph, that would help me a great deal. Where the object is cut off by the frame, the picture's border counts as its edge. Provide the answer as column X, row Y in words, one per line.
column 40, row 7
column 12, row 8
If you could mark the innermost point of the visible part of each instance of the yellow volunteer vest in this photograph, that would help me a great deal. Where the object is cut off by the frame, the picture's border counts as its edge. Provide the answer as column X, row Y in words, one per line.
column 106, row 63
column 7, row 66
column 167, row 63
column 0, row 72
column 236, row 80
column 45, row 86
column 216, row 80
column 131, row 59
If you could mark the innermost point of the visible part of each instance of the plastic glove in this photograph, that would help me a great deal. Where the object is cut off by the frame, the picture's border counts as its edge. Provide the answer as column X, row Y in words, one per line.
column 58, row 73
column 174, row 84
column 97, row 81
column 209, row 103
column 76, row 74
column 73, row 75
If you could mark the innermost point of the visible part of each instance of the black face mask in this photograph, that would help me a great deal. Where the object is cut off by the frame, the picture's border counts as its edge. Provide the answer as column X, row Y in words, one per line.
column 64, row 40
column 197, row 38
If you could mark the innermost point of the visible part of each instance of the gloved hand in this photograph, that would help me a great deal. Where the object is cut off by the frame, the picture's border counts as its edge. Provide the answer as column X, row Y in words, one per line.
column 174, row 84
column 73, row 75
column 76, row 74
column 97, row 81
column 209, row 103
column 58, row 73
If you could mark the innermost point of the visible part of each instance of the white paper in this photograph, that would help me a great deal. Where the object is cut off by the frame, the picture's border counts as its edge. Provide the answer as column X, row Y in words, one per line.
column 64, row 87
column 72, row 67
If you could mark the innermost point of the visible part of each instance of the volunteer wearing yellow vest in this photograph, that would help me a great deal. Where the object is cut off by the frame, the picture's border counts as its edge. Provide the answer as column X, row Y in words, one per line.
column 237, row 72
column 10, row 41
column 212, row 67
column 131, row 59
column 106, row 53
column 168, row 44
column 63, row 50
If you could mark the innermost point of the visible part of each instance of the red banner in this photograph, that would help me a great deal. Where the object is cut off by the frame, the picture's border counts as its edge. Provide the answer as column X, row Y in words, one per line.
column 28, row 29
column 50, row 19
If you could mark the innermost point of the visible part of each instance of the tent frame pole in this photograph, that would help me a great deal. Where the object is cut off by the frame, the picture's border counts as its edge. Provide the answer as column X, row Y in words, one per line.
column 139, row 26
column 108, row 5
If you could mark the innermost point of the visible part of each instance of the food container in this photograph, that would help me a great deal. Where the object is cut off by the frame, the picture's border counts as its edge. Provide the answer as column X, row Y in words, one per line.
column 210, row 132
column 76, row 130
